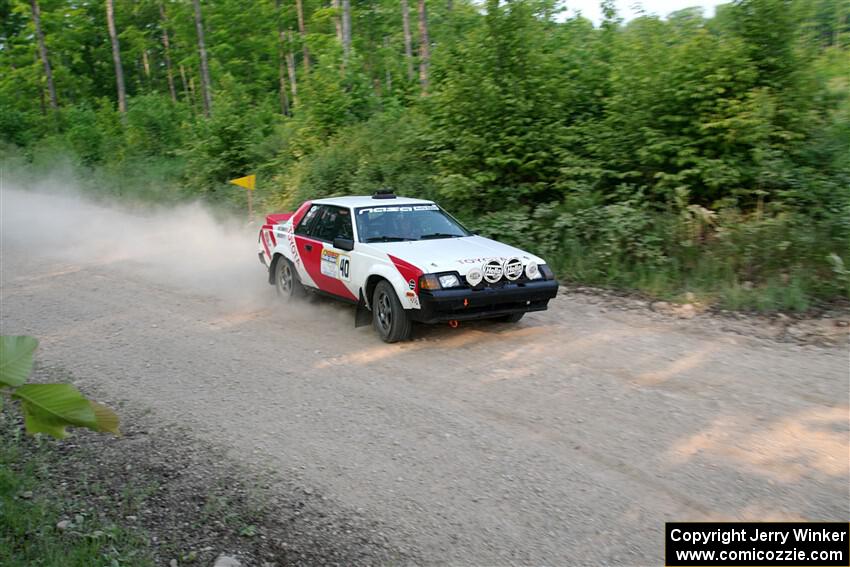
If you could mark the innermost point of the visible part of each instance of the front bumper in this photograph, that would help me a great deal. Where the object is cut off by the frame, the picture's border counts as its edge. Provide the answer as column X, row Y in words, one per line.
column 467, row 304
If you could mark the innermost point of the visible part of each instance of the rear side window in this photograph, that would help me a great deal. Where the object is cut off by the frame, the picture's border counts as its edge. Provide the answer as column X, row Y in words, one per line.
column 309, row 219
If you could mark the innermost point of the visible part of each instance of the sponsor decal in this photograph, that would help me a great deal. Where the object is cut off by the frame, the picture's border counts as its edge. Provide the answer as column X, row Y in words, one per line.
column 481, row 260
column 329, row 263
column 474, row 277
column 407, row 209
column 335, row 265
column 492, row 271
column 411, row 285
column 293, row 248
column 513, row 269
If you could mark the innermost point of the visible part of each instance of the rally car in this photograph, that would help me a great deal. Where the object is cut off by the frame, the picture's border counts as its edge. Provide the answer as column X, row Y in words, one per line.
column 401, row 259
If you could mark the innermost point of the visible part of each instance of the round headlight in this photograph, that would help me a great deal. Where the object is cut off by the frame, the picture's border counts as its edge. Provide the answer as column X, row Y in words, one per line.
column 449, row 280
column 532, row 271
column 513, row 268
column 493, row 271
column 474, row 277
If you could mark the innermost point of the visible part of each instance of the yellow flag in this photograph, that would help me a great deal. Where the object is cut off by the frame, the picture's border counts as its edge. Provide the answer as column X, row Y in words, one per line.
column 248, row 182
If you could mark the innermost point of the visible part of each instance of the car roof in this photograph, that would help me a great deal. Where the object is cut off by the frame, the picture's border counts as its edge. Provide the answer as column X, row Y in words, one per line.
column 368, row 201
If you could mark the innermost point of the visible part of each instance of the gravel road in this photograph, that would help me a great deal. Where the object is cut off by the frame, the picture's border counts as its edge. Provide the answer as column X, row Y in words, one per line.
column 569, row 438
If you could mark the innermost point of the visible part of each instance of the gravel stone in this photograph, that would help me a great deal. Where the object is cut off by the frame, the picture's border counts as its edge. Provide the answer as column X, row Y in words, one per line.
column 227, row 561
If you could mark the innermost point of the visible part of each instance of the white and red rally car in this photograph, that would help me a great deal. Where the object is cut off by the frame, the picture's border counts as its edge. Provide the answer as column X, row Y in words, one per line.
column 402, row 259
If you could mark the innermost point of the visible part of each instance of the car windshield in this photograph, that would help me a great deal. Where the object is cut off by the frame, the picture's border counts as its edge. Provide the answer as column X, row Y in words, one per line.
column 406, row 222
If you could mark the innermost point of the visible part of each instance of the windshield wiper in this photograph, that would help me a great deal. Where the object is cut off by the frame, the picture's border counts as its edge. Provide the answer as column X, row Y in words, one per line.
column 387, row 239
column 439, row 235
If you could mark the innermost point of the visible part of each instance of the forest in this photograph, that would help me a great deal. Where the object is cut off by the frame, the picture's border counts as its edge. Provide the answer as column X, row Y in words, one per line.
column 676, row 156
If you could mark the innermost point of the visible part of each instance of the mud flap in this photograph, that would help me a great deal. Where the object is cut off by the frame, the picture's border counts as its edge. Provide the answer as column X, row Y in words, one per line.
column 362, row 316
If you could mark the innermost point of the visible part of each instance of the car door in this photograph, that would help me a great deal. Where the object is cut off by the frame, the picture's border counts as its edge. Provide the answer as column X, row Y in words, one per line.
column 328, row 267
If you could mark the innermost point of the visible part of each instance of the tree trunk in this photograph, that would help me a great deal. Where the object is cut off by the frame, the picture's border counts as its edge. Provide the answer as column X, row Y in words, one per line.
column 424, row 48
column 388, row 76
column 187, row 97
column 281, row 72
column 146, row 63
column 302, row 31
column 281, row 64
column 346, row 29
column 337, row 21
column 192, row 90
column 290, row 66
column 202, row 50
column 42, row 51
column 41, row 98
column 167, row 52
column 116, row 57
column 408, row 42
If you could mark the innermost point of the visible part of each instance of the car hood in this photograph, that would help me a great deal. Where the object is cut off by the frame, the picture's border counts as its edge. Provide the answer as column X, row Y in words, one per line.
column 454, row 254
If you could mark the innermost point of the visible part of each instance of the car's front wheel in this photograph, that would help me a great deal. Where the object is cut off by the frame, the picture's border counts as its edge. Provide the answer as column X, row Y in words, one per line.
column 388, row 316
column 286, row 281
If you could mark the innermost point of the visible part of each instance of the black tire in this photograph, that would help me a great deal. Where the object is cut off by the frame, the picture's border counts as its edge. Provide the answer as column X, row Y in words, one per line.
column 389, row 318
column 286, row 281
column 511, row 318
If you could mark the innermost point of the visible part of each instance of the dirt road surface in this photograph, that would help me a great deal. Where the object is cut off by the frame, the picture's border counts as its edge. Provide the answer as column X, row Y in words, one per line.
column 569, row 438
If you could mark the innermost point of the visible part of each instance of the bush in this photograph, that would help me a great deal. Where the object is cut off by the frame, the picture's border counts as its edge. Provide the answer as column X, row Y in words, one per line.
column 155, row 125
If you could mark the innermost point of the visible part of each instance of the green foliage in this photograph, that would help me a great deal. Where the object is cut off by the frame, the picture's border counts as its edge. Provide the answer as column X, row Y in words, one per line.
column 155, row 126
column 47, row 408
column 225, row 146
column 498, row 122
column 16, row 359
column 381, row 152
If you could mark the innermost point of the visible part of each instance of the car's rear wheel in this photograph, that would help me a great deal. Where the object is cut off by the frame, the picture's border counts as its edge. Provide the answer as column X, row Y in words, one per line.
column 389, row 318
column 286, row 281
column 511, row 317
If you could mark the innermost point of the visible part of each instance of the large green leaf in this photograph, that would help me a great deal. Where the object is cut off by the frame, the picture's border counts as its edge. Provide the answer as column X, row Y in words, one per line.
column 107, row 420
column 16, row 359
column 51, row 408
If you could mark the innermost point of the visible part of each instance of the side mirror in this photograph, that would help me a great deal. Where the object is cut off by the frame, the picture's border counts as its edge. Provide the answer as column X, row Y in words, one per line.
column 343, row 243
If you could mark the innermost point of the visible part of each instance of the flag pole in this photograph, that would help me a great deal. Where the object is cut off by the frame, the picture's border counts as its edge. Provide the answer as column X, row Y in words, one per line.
column 249, row 183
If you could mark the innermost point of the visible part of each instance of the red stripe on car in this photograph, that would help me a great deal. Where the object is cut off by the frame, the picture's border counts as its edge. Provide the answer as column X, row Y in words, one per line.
column 265, row 244
column 408, row 271
column 267, row 229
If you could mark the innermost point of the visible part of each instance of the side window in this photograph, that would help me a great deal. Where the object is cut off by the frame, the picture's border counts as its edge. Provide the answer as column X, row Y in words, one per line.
column 334, row 222
column 304, row 226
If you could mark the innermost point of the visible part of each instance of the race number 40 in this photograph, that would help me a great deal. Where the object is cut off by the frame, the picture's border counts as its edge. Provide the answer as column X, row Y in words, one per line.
column 344, row 268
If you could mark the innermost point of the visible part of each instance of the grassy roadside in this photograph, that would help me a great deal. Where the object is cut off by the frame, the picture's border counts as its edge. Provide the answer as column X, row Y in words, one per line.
column 41, row 526
column 159, row 495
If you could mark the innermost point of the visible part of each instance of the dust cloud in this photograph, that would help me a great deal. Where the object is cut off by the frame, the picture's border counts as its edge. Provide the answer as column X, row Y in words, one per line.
column 184, row 246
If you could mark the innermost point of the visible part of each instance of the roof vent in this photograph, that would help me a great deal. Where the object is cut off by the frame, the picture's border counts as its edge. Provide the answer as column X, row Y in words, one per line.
column 383, row 194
